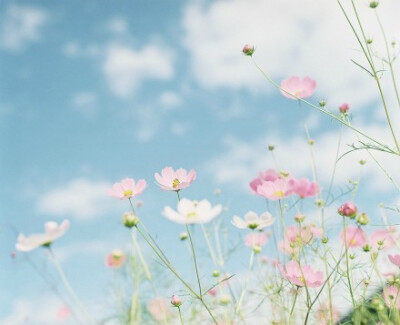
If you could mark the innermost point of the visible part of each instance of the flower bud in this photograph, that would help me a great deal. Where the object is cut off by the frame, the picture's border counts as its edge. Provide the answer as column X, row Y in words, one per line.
column 322, row 103
column 176, row 301
column 319, row 203
column 215, row 273
column 299, row 217
column 348, row 209
column 373, row 4
column 325, row 240
column 362, row 162
column 271, row 148
column 183, row 236
column 344, row 108
column 284, row 173
column 256, row 249
column 352, row 256
column 366, row 248
column 369, row 41
column 225, row 299
column 248, row 50
column 130, row 220
column 362, row 219
column 311, row 142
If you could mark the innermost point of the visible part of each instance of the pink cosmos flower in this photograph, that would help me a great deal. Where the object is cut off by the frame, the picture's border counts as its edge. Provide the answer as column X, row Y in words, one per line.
column 176, row 301
column 395, row 259
column 355, row 236
column 323, row 315
column 159, row 309
column 127, row 188
column 115, row 259
column 298, row 87
column 248, row 50
column 269, row 175
column 301, row 276
column 382, row 239
column 256, row 239
column 276, row 190
column 391, row 295
column 304, row 188
column 295, row 238
column 348, row 209
column 171, row 180
column 344, row 108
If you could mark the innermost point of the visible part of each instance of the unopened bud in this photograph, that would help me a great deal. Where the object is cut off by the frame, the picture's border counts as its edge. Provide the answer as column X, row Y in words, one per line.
column 256, row 249
column 320, row 203
column 362, row 162
column 366, row 248
column 352, row 256
column 215, row 273
column 369, row 41
column 373, row 4
column 344, row 108
column 271, row 148
column 322, row 103
column 248, row 50
column 183, row 236
column 176, row 301
column 325, row 240
column 130, row 220
column 311, row 142
column 225, row 299
column 362, row 219
column 299, row 217
column 284, row 174
column 348, row 209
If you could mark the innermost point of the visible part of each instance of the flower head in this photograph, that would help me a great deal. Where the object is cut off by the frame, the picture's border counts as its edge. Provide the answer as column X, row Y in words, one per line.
column 115, row 259
column 391, row 295
column 296, row 87
column 348, row 209
column 355, row 236
column 52, row 232
column 344, row 108
column 191, row 212
column 176, row 301
column 382, row 239
column 127, row 188
column 171, row 180
column 253, row 221
column 275, row 190
column 248, row 50
column 304, row 188
column 258, row 239
column 301, row 276
column 297, row 237
column 269, row 175
column 395, row 259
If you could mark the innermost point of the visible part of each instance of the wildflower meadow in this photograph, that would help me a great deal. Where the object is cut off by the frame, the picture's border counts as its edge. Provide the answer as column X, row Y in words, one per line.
column 242, row 167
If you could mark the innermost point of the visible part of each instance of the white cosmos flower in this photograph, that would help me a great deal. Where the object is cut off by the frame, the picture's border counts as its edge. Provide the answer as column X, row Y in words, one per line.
column 253, row 221
column 190, row 212
column 52, row 232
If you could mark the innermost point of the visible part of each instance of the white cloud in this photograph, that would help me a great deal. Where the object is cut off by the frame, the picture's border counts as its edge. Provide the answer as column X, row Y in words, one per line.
column 125, row 68
column 80, row 198
column 118, row 25
column 74, row 49
column 21, row 26
column 291, row 37
column 170, row 99
column 85, row 102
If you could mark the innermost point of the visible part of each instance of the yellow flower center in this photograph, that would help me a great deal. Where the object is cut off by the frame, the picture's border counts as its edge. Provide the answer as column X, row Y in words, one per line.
column 175, row 183
column 352, row 242
column 128, row 193
column 191, row 214
column 279, row 194
column 302, row 280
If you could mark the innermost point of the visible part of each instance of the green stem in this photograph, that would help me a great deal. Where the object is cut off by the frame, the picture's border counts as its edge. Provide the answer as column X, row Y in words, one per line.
column 347, row 264
column 251, row 262
column 294, row 303
column 180, row 315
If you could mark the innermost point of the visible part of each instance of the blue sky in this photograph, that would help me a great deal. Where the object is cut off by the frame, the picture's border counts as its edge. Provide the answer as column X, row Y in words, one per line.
column 93, row 93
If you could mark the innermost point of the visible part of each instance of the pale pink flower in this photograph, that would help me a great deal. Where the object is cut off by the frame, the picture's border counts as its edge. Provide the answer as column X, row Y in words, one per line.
column 301, row 276
column 304, row 188
column 391, row 295
column 348, row 209
column 296, row 237
column 382, row 239
column 253, row 221
column 395, row 259
column 248, row 50
column 127, row 188
column 159, row 309
column 297, row 87
column 213, row 292
column 323, row 315
column 115, row 259
column 63, row 313
column 344, row 108
column 269, row 175
column 256, row 239
column 275, row 190
column 52, row 232
column 176, row 301
column 355, row 236
column 171, row 180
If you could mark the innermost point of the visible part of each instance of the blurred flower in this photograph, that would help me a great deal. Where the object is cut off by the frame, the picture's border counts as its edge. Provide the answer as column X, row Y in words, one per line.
column 127, row 188
column 391, row 295
column 253, row 221
column 298, row 87
column 159, row 309
column 129, row 219
column 176, row 301
column 191, row 212
column 52, row 232
column 395, row 259
column 355, row 237
column 296, row 237
column 301, row 276
column 348, row 209
column 382, row 239
column 323, row 315
column 171, row 180
column 344, row 108
column 268, row 175
column 248, row 50
column 275, row 190
column 63, row 313
column 303, row 187
column 115, row 259
column 258, row 239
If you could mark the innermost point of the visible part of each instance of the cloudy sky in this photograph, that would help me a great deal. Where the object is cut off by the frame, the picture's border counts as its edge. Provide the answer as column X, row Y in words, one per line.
column 93, row 92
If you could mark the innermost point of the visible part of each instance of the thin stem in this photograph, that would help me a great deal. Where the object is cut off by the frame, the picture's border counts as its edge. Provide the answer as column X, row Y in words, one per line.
column 251, row 262
column 180, row 315
column 294, row 303
column 347, row 264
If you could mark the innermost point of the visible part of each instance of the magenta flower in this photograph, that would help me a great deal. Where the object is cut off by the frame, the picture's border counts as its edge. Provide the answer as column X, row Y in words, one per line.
column 304, row 276
column 268, row 175
column 382, row 239
column 355, row 237
column 344, row 108
column 391, row 295
column 171, row 180
column 127, row 188
column 348, row 209
column 395, row 259
column 275, row 190
column 304, row 188
column 248, row 50
column 296, row 87
column 256, row 239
